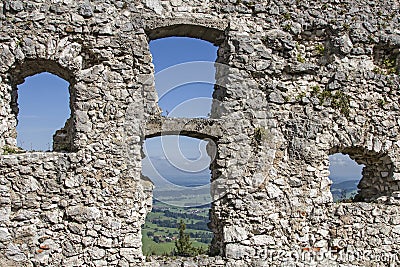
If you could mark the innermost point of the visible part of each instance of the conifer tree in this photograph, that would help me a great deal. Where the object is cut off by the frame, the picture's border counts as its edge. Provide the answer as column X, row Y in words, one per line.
column 183, row 245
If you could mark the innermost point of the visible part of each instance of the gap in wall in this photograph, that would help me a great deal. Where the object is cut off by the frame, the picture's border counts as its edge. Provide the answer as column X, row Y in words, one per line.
column 184, row 76
column 345, row 174
column 44, row 107
column 179, row 167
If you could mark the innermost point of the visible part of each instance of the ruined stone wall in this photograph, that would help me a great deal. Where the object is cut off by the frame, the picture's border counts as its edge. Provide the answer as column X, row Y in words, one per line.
column 298, row 81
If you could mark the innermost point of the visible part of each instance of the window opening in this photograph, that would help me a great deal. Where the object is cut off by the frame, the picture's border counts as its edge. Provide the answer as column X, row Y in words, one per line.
column 43, row 107
column 184, row 76
column 345, row 174
column 179, row 167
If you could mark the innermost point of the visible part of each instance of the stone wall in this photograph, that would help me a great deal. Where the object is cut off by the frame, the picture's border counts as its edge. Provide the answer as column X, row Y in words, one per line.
column 296, row 82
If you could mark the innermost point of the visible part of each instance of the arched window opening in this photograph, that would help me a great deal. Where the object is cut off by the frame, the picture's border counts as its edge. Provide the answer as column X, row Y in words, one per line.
column 43, row 107
column 179, row 167
column 184, row 76
column 345, row 174
column 375, row 169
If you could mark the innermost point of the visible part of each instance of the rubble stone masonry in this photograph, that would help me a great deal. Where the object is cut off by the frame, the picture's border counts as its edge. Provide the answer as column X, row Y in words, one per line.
column 296, row 81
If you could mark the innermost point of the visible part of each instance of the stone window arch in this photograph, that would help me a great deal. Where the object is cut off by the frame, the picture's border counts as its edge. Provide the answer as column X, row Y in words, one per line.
column 377, row 182
column 63, row 138
column 210, row 31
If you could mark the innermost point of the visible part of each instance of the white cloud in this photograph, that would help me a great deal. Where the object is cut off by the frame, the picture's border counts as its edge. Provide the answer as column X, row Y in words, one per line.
column 343, row 168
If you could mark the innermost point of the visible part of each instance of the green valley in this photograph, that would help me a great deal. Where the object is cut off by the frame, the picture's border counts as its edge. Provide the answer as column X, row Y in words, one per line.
column 161, row 228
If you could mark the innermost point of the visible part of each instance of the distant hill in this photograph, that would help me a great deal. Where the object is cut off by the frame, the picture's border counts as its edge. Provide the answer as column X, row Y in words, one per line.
column 184, row 196
column 345, row 189
column 346, row 185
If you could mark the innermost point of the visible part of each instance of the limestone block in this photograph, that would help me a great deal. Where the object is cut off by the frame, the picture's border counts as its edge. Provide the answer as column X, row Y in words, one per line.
column 83, row 214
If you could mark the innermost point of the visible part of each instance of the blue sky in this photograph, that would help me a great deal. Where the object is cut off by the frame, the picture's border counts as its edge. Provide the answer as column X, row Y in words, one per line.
column 182, row 161
column 343, row 168
column 43, row 101
column 169, row 54
column 44, row 108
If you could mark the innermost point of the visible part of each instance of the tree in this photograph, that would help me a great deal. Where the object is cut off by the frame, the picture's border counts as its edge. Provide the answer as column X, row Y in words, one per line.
column 150, row 234
column 183, row 245
column 156, row 239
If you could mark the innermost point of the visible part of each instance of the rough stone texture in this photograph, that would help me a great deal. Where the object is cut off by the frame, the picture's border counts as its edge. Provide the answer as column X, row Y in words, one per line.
column 302, row 80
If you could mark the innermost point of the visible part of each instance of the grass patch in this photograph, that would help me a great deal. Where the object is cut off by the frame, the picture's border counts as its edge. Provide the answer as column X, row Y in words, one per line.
column 161, row 228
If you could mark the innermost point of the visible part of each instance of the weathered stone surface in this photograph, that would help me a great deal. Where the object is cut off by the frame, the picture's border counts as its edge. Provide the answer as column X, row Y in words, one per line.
column 17, row 5
column 296, row 82
column 85, row 10
column 83, row 214
column 237, row 251
column 4, row 235
column 14, row 253
column 235, row 234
